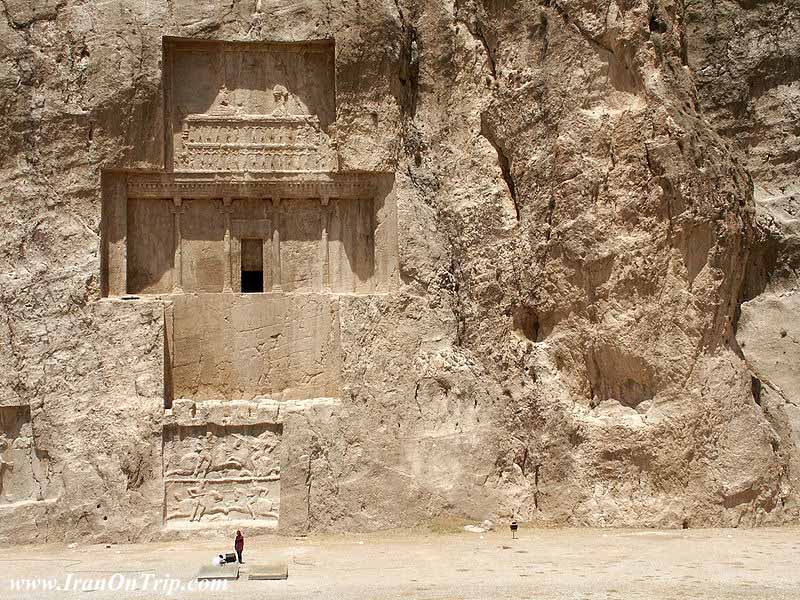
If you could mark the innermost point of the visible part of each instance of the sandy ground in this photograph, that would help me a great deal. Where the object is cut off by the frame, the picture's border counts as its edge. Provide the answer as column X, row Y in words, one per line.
column 570, row 564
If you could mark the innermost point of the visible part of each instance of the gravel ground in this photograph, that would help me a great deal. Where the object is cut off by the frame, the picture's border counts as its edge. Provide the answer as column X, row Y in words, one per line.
column 570, row 564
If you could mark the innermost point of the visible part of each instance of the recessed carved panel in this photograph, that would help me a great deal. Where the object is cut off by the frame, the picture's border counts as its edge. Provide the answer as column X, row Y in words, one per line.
column 308, row 245
column 150, row 250
column 249, row 107
column 222, row 473
column 231, row 346
column 24, row 471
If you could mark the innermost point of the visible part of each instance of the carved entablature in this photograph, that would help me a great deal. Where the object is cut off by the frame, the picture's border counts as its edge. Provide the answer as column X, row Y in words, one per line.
column 254, row 185
column 253, row 143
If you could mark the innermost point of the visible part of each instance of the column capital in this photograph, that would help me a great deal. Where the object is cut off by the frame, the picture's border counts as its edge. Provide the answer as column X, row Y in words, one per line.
column 226, row 206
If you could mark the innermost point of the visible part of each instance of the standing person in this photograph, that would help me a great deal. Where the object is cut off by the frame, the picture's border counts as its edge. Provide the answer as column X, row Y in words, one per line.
column 238, row 545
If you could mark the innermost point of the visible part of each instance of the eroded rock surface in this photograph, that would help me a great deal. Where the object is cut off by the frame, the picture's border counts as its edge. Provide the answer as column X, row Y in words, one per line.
column 745, row 57
column 560, row 217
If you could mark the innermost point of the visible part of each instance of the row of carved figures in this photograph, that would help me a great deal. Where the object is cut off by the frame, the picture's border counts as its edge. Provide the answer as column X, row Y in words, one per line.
column 233, row 133
column 206, row 501
column 234, row 159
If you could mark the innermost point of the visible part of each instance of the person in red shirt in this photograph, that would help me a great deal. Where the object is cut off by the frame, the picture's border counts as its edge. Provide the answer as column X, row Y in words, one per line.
column 238, row 545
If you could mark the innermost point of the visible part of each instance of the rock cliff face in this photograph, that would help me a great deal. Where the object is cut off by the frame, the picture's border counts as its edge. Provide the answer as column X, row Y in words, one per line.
column 745, row 57
column 565, row 341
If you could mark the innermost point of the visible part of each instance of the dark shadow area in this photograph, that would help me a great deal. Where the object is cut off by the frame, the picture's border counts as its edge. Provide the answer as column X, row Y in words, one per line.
column 252, row 265
column 525, row 322
column 614, row 374
column 657, row 25
column 12, row 419
column 200, row 432
column 774, row 259
column 252, row 282
column 169, row 389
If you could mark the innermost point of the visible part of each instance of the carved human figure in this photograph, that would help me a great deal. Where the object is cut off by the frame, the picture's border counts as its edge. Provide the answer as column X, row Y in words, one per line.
column 281, row 97
column 5, row 465
column 241, row 504
column 205, row 461
column 264, row 462
column 237, row 457
column 205, row 500
column 222, row 103
column 260, row 504
column 189, row 463
column 183, row 504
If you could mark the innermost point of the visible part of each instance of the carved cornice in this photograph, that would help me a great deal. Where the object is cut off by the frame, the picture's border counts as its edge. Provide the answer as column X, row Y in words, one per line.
column 177, row 44
column 308, row 184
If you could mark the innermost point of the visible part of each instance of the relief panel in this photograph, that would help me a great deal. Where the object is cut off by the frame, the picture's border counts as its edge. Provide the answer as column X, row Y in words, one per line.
column 257, row 107
column 24, row 471
column 252, row 143
column 221, row 473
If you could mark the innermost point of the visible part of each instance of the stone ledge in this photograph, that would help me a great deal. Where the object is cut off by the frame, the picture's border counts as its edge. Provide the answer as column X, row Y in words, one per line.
column 222, row 525
column 14, row 402
column 19, row 504
column 188, row 413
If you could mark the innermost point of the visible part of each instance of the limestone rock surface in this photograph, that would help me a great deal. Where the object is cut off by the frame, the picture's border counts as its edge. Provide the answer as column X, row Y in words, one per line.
column 576, row 231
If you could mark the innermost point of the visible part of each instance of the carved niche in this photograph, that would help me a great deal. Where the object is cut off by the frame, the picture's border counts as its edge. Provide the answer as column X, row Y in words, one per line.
column 24, row 471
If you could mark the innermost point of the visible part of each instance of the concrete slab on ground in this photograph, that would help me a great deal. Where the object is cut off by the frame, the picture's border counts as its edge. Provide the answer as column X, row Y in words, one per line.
column 269, row 571
column 227, row 571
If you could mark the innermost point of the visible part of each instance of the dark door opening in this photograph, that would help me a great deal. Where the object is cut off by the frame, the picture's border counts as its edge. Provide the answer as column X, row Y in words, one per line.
column 252, row 282
column 252, row 266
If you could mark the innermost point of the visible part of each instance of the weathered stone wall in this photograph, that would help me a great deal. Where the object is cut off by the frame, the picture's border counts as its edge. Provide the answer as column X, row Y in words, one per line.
column 95, row 418
column 745, row 60
column 572, row 233
column 225, row 346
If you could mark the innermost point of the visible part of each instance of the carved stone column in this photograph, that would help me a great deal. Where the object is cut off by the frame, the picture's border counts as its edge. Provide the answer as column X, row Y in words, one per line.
column 227, row 210
column 325, row 254
column 276, row 244
column 177, row 267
